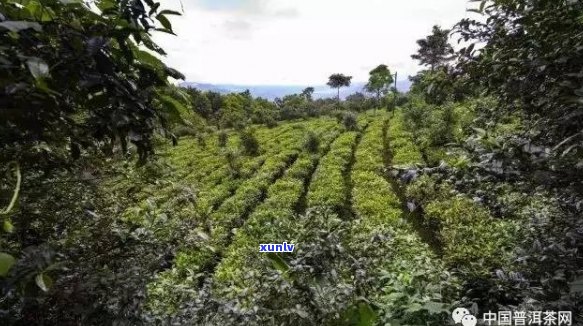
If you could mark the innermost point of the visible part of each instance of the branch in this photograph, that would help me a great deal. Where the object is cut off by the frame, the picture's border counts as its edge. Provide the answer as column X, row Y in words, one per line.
column 16, row 190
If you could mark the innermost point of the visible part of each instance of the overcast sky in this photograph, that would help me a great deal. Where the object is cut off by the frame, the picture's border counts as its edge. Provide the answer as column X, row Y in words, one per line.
column 299, row 42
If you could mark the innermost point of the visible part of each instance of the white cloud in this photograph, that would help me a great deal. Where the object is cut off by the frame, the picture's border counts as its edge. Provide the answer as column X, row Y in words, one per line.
column 299, row 41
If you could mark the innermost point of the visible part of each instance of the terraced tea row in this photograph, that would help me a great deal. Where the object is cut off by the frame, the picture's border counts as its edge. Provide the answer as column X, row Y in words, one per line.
column 212, row 180
column 201, row 253
column 276, row 221
column 346, row 185
column 327, row 188
column 386, row 246
column 269, row 223
column 470, row 238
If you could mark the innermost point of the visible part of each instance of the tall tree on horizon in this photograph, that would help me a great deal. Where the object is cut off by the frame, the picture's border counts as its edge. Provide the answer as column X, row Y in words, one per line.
column 308, row 92
column 338, row 81
column 434, row 50
column 379, row 82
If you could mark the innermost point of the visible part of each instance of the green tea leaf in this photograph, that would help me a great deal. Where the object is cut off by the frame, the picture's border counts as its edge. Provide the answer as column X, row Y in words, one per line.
column 17, row 26
column 6, row 262
column 43, row 281
column 37, row 67
column 8, row 227
column 164, row 21
column 367, row 315
column 278, row 262
column 170, row 12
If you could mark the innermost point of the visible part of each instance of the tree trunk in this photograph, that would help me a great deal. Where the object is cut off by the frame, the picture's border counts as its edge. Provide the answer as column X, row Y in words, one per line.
column 338, row 96
column 396, row 93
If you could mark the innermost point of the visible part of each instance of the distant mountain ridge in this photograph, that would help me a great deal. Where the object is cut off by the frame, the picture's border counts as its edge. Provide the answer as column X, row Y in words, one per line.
column 271, row 92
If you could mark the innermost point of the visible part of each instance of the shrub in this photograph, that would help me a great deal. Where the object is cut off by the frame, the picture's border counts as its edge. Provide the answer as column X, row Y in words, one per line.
column 405, row 150
column 389, row 248
column 233, row 163
column 249, row 142
column 223, row 137
column 182, row 131
column 312, row 142
column 349, row 121
column 201, row 140
column 470, row 236
column 271, row 123
column 327, row 189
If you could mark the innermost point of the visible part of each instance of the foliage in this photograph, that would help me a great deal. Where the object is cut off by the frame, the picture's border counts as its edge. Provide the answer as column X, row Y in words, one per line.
column 308, row 92
column 201, row 252
column 467, row 194
column 77, row 81
column 249, row 143
column 201, row 103
column 349, row 121
column 531, row 63
column 240, row 110
column 358, row 102
column 441, row 83
column 223, row 137
column 183, row 131
column 327, row 189
column 304, row 289
column 527, row 55
column 471, row 238
column 404, row 150
column 312, row 142
column 235, row 112
column 436, row 87
column 293, row 106
column 413, row 286
column 85, row 72
column 234, row 163
column 379, row 82
column 337, row 81
column 435, row 50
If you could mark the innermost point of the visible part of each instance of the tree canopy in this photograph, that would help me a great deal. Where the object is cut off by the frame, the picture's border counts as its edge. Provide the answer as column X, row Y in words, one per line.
column 434, row 50
column 379, row 81
column 74, row 78
column 308, row 92
column 337, row 81
column 533, row 66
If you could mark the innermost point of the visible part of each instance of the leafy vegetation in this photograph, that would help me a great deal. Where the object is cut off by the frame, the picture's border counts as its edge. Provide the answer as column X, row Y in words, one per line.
column 379, row 82
column 339, row 80
column 327, row 187
column 467, row 192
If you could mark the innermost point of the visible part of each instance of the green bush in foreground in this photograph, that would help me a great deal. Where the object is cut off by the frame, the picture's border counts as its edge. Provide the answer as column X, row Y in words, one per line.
column 471, row 238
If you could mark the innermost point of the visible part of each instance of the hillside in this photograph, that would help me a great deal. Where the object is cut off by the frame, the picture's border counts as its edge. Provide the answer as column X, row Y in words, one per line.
column 128, row 200
column 331, row 201
column 274, row 91
column 334, row 192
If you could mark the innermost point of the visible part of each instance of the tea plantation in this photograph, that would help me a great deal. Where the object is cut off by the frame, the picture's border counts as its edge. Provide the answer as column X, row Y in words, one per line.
column 361, row 252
